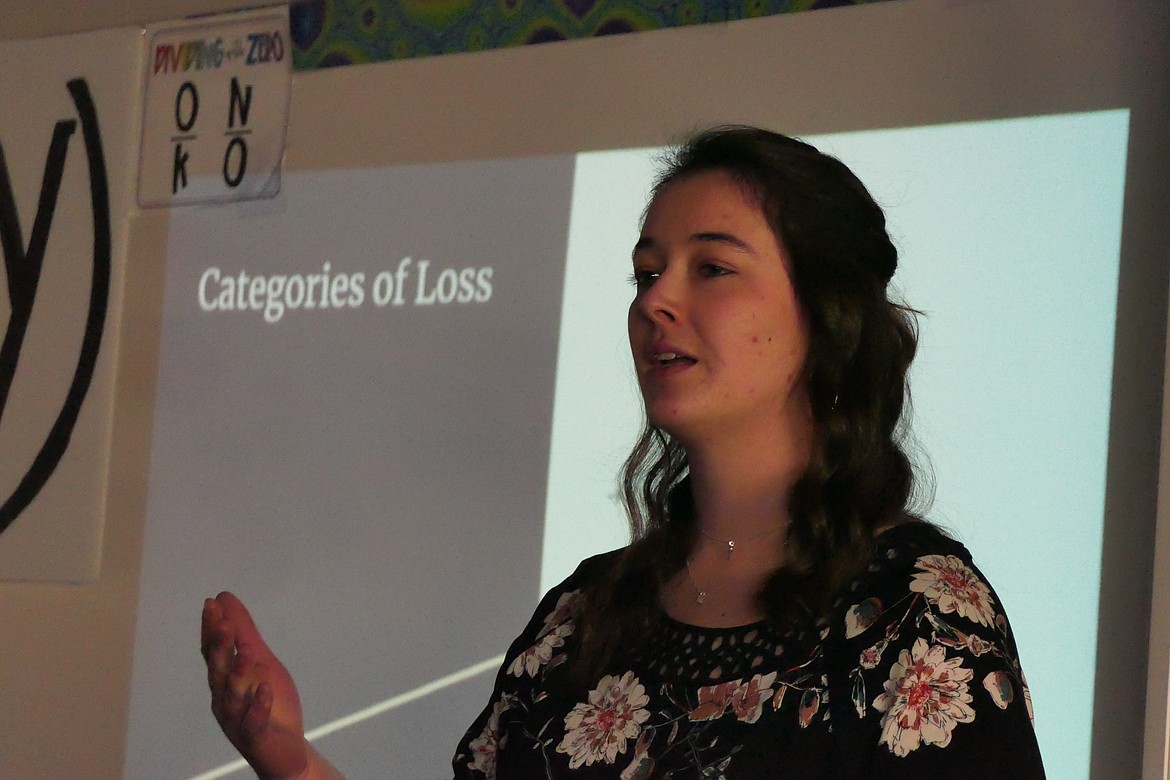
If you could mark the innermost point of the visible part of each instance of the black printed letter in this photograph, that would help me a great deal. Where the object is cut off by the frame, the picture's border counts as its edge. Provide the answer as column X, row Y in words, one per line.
column 241, row 101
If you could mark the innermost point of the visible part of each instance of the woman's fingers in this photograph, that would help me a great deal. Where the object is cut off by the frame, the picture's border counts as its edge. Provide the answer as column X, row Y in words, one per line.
column 235, row 653
column 243, row 703
column 237, row 615
column 207, row 623
column 259, row 710
column 241, row 678
column 218, row 645
column 252, row 695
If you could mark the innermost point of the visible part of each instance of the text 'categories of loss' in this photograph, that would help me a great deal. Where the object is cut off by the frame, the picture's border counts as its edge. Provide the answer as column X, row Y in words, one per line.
column 418, row 283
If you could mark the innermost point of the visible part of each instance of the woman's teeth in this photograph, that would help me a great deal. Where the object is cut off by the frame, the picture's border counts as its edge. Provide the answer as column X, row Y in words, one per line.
column 671, row 357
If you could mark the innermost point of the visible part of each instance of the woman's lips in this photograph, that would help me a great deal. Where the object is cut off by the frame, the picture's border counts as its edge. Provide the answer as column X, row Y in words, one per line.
column 668, row 359
column 671, row 358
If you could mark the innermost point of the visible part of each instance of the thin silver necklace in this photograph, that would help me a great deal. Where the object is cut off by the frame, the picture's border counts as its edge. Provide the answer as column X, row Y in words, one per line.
column 731, row 542
column 700, row 594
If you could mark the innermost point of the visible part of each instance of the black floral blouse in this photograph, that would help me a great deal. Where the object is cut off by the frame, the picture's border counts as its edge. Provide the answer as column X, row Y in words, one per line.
column 915, row 675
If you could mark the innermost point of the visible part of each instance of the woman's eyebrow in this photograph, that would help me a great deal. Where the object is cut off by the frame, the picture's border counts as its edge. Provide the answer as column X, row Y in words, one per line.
column 714, row 237
column 723, row 238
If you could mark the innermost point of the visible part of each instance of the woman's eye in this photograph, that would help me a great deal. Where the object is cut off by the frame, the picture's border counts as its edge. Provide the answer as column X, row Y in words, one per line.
column 643, row 279
column 712, row 270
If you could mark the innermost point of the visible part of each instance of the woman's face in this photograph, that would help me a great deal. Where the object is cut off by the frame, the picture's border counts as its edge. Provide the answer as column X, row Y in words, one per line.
column 717, row 334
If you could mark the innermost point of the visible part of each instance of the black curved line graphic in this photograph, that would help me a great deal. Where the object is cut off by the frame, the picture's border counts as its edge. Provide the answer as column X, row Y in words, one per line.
column 57, row 441
column 22, row 267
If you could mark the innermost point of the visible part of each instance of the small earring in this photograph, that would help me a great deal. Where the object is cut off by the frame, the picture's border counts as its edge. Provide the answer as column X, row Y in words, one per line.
column 833, row 406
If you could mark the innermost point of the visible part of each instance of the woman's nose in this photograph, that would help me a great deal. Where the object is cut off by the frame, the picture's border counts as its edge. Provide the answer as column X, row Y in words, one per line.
column 660, row 302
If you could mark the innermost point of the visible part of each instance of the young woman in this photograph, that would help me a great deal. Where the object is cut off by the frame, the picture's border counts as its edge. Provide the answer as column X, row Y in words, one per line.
column 781, row 612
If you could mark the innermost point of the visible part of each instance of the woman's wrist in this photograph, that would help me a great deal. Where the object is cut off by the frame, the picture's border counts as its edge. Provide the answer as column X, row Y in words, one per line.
column 316, row 767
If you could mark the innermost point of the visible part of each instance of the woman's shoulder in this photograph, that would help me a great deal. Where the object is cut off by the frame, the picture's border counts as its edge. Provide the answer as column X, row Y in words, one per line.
column 919, row 562
column 903, row 552
column 560, row 602
column 925, row 653
column 589, row 571
column 915, row 538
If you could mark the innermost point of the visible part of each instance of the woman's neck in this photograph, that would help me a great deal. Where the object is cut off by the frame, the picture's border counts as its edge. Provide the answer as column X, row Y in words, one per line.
column 743, row 490
column 740, row 482
column 741, row 509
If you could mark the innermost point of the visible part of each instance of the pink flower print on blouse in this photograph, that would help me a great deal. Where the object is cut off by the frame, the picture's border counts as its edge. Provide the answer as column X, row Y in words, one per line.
column 713, row 701
column 999, row 685
column 747, row 701
column 557, row 625
column 562, row 612
column 530, row 661
column 954, row 587
column 485, row 747
column 641, row 766
column 862, row 616
column 925, row 697
column 599, row 729
column 872, row 655
column 810, row 704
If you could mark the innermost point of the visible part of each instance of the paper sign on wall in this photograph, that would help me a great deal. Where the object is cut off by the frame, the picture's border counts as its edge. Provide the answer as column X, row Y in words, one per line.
column 216, row 110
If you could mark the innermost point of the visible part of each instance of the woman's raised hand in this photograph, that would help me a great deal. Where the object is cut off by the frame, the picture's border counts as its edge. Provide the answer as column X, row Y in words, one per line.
column 253, row 697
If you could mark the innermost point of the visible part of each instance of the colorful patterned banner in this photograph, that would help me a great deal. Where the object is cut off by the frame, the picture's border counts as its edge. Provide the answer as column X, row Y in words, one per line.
column 331, row 33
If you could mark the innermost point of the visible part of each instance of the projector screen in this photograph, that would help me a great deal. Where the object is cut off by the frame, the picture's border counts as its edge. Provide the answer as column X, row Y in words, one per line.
column 392, row 403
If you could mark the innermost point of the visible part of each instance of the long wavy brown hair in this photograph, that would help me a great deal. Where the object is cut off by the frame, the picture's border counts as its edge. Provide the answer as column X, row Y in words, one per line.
column 861, row 344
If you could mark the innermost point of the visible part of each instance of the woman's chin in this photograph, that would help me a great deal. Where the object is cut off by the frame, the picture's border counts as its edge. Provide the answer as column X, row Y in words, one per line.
column 674, row 422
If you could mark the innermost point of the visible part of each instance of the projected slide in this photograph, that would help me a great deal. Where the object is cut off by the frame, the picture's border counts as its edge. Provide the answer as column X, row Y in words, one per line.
column 392, row 404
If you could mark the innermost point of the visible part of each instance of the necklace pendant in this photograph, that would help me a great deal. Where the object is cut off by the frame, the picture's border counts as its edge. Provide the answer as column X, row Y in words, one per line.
column 730, row 548
column 701, row 597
